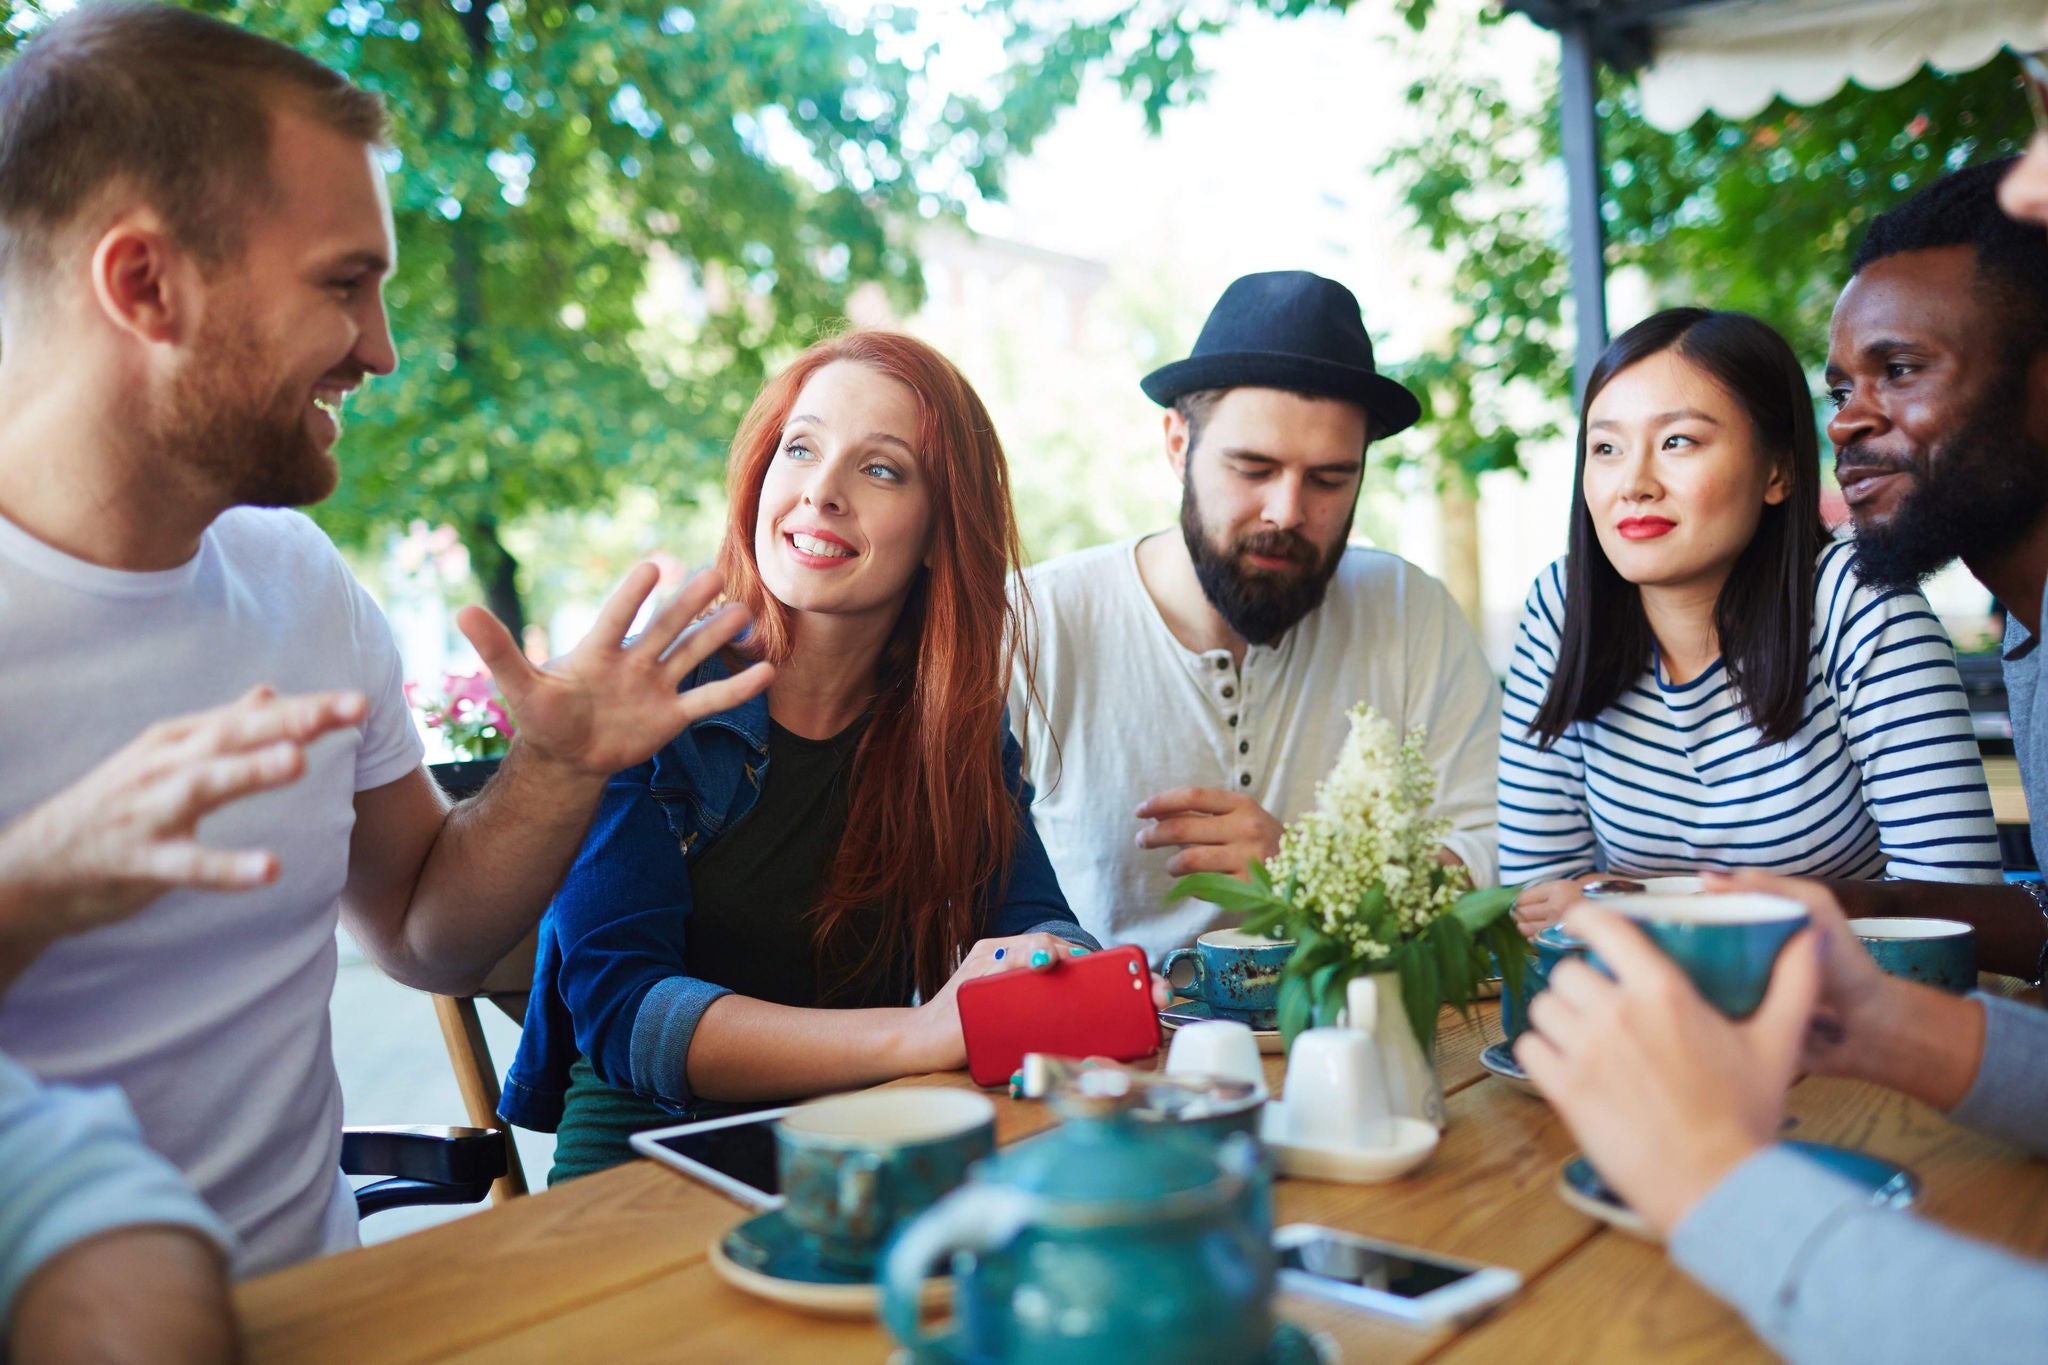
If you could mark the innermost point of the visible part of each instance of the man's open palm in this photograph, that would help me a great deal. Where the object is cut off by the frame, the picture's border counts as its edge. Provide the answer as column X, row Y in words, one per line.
column 611, row 702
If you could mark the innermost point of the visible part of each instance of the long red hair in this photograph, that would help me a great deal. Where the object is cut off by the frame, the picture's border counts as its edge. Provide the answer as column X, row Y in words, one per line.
column 930, row 825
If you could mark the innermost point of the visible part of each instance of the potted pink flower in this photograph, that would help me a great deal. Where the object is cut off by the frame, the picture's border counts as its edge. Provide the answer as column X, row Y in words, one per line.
column 473, row 720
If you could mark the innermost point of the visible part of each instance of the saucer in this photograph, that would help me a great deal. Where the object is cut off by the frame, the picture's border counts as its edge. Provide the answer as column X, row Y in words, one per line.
column 767, row 1256
column 1500, row 1061
column 1889, row 1183
column 1289, row 1345
column 1191, row 1011
column 1413, row 1140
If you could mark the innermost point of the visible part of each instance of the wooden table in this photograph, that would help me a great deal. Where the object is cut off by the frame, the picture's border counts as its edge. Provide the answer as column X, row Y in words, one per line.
column 612, row 1267
column 2008, row 796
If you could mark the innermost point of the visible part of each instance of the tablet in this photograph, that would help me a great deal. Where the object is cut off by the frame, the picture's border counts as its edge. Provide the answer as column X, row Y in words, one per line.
column 733, row 1155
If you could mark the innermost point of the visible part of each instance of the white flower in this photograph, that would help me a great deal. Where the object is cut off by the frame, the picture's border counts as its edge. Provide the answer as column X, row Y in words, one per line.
column 1364, row 861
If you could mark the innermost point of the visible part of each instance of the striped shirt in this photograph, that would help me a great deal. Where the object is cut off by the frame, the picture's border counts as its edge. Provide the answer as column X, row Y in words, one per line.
column 1883, row 777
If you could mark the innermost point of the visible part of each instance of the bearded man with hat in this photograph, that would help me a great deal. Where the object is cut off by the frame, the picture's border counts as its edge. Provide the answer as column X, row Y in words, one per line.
column 1185, row 693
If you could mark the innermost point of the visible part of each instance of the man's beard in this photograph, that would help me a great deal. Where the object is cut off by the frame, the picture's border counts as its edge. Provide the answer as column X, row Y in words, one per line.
column 223, row 431
column 1981, row 491
column 1259, row 606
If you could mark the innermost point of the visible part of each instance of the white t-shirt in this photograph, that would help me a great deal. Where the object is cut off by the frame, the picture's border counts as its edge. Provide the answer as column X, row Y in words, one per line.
column 210, row 1011
column 1135, row 713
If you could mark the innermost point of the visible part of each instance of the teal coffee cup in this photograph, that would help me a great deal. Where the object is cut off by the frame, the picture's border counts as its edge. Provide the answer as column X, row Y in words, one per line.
column 855, row 1167
column 1936, row 952
column 1234, row 973
column 1727, row 945
column 1552, row 946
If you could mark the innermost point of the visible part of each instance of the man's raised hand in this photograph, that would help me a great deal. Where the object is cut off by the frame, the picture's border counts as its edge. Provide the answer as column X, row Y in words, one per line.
column 125, row 833
column 611, row 702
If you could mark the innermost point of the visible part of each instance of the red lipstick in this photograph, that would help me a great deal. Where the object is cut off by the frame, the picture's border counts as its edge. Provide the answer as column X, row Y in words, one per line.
column 1644, row 528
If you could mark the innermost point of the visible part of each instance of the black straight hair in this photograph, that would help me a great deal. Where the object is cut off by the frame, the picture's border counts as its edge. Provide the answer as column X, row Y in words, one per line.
column 1764, row 615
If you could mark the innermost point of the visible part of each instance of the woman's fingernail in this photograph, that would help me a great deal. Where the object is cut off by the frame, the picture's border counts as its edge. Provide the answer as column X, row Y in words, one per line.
column 1002, row 953
column 1077, row 951
column 1041, row 958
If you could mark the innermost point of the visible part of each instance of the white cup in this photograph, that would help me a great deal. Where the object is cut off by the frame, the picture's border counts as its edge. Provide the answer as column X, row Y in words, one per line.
column 1337, row 1091
column 1216, row 1047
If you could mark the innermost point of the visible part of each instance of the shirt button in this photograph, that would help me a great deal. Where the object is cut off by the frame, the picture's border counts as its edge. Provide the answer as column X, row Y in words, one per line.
column 1228, row 691
column 1244, row 779
column 1233, row 722
column 1222, row 664
column 1244, row 746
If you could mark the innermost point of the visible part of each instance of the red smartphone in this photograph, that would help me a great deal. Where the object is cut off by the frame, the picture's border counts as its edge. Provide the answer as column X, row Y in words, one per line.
column 1099, row 1005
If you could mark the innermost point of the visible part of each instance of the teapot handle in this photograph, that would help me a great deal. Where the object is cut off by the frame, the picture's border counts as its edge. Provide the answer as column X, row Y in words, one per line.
column 976, row 1218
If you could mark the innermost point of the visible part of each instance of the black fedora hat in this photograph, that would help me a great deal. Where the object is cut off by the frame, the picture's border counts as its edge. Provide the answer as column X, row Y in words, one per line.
column 1288, row 329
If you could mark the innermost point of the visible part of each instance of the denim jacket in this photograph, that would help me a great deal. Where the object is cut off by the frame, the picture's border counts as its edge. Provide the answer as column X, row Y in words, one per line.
column 609, row 981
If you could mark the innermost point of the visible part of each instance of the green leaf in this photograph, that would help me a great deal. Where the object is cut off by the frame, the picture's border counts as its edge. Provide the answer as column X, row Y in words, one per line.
column 1417, row 970
column 1265, row 921
column 1308, row 959
column 1224, row 892
column 1477, row 909
column 1308, row 938
column 1318, row 988
column 1457, row 966
column 1295, row 1007
column 1330, row 994
column 1260, row 878
column 1511, row 952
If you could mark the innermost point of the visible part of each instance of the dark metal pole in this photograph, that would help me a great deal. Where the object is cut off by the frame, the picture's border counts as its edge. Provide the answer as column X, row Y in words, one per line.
column 1578, row 86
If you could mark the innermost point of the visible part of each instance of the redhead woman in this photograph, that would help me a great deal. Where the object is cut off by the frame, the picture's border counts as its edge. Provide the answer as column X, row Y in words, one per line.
column 785, row 900
column 1703, row 681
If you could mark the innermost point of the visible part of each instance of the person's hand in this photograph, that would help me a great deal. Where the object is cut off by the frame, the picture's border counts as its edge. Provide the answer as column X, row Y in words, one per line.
column 1869, row 1025
column 1854, row 993
column 125, row 833
column 1666, row 1094
column 1539, row 906
column 1215, row 830
column 608, row 704
column 932, row 1038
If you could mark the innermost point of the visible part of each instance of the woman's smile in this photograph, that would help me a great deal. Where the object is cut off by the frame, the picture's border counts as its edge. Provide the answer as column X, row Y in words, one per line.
column 817, row 549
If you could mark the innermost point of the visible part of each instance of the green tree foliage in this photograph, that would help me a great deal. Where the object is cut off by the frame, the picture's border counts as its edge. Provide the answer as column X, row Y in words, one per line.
column 1755, row 214
column 552, row 160
column 1758, row 215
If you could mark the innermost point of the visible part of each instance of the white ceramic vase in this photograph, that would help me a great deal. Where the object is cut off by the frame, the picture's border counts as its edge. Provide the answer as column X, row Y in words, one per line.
column 1372, row 1004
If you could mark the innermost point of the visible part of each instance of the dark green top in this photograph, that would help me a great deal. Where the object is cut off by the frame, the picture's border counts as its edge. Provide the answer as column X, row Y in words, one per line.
column 751, row 896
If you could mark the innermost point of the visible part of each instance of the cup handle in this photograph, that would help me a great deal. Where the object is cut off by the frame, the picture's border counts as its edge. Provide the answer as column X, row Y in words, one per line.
column 1193, row 990
column 973, row 1218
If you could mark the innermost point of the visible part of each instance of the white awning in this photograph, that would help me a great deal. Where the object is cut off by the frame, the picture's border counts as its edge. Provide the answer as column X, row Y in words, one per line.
column 1734, row 57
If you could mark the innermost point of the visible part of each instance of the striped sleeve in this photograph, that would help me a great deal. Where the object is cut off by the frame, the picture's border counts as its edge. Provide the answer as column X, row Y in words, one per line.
column 1545, row 830
column 1906, row 719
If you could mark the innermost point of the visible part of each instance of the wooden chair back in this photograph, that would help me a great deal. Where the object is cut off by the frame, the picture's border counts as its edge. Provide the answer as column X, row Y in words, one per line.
column 469, row 1054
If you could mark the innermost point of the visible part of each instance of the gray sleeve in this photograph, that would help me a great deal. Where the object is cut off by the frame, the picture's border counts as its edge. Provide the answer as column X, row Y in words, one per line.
column 72, row 1166
column 2009, row 1099
column 1824, row 1275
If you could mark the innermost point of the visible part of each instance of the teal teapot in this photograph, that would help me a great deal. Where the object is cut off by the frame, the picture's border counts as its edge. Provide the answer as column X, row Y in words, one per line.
column 1105, row 1240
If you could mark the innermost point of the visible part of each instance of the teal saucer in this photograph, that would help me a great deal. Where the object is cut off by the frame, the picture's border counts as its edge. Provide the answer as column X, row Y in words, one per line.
column 1889, row 1183
column 1500, row 1061
column 767, row 1256
column 1289, row 1345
